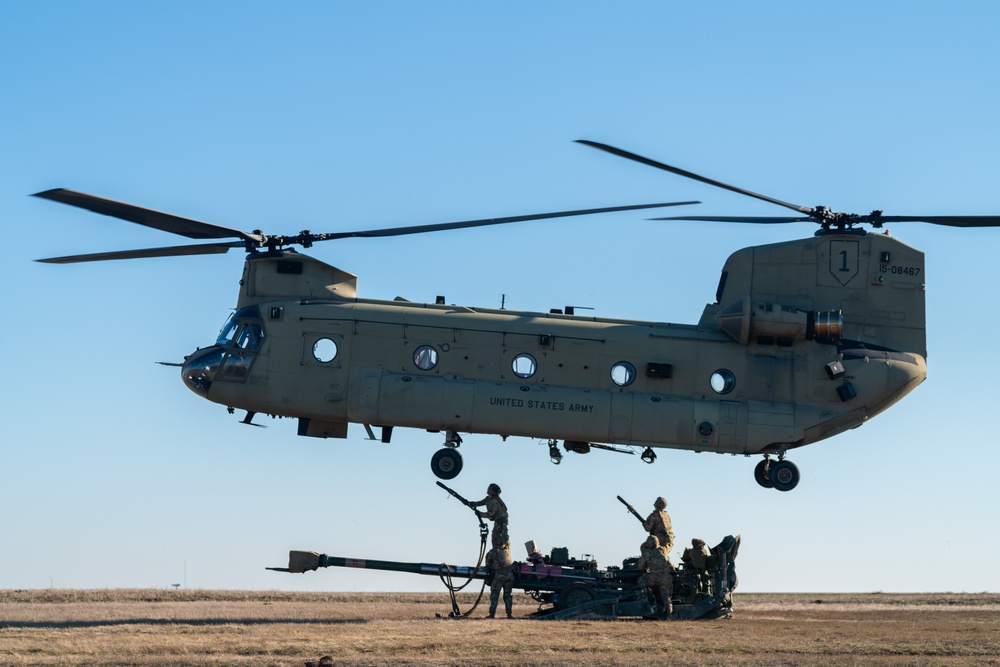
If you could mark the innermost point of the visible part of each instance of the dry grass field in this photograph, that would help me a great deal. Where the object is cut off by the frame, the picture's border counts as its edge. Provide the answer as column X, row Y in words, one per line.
column 152, row 627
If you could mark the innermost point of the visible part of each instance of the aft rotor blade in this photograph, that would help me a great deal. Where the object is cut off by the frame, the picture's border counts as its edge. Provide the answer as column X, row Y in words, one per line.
column 207, row 249
column 948, row 220
column 175, row 224
column 753, row 219
column 687, row 174
column 420, row 229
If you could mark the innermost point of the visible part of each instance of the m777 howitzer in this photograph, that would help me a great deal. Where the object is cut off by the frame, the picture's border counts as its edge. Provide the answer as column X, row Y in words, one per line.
column 567, row 587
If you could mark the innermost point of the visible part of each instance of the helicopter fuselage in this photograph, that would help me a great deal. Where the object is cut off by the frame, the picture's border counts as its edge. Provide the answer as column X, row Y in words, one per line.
column 806, row 339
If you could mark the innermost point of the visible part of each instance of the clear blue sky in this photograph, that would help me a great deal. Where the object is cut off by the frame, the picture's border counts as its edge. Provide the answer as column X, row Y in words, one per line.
column 334, row 116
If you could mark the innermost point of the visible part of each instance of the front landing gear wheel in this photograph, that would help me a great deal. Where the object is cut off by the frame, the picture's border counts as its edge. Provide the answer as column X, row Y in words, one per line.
column 762, row 475
column 784, row 475
column 446, row 463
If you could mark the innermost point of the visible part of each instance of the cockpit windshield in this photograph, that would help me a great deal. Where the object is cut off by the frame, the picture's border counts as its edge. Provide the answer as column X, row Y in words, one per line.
column 228, row 331
column 243, row 328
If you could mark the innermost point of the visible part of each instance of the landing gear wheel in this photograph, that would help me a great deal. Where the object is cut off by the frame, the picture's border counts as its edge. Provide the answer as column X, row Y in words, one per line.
column 761, row 474
column 576, row 594
column 446, row 463
column 784, row 475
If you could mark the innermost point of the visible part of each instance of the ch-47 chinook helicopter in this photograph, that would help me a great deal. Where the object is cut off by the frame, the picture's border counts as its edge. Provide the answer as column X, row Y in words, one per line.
column 806, row 339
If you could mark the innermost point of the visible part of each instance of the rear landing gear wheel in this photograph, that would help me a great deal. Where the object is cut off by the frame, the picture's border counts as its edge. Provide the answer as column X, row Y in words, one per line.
column 762, row 474
column 446, row 463
column 784, row 475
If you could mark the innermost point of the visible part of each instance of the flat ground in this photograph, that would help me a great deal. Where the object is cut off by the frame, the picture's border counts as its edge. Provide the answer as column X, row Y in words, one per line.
column 153, row 627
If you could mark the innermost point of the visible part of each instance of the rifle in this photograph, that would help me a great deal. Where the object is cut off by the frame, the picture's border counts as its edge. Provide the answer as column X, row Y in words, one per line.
column 471, row 505
column 630, row 509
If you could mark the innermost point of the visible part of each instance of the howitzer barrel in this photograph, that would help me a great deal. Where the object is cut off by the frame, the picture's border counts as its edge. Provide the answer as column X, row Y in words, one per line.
column 304, row 561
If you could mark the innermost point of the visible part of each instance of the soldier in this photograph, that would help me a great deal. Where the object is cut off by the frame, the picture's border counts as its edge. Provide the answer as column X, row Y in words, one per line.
column 499, row 563
column 699, row 554
column 658, row 524
column 696, row 557
column 496, row 511
column 657, row 576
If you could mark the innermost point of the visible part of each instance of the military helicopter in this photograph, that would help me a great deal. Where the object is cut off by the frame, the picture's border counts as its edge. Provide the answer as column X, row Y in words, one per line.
column 806, row 339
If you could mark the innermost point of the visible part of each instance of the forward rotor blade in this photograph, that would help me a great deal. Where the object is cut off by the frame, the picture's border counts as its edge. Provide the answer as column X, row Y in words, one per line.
column 948, row 220
column 420, row 229
column 687, row 174
column 175, row 224
column 207, row 249
column 722, row 218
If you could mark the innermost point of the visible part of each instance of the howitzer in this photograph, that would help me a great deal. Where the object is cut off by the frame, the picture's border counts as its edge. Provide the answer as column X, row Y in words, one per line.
column 567, row 587
column 632, row 510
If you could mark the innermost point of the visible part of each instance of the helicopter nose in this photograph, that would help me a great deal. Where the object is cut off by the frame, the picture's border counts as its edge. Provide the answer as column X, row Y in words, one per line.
column 200, row 368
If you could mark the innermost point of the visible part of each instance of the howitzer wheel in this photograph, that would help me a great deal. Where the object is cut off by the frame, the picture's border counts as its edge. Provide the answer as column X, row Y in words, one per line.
column 576, row 594
column 446, row 463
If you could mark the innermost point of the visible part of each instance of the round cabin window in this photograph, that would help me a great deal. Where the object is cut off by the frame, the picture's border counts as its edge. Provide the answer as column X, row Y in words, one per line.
column 723, row 381
column 623, row 373
column 524, row 366
column 425, row 357
column 324, row 350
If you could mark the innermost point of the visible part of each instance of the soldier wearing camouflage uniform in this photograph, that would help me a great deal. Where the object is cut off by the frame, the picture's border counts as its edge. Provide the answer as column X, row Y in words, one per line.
column 659, row 525
column 696, row 556
column 496, row 511
column 657, row 576
column 699, row 554
column 499, row 563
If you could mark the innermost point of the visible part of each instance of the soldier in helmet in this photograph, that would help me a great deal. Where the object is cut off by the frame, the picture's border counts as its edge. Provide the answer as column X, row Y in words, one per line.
column 496, row 511
column 658, row 524
column 699, row 554
column 498, row 564
column 697, row 557
column 657, row 576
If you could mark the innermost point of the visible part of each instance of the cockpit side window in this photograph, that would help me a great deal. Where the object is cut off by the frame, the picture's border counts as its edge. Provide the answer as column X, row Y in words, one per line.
column 249, row 336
